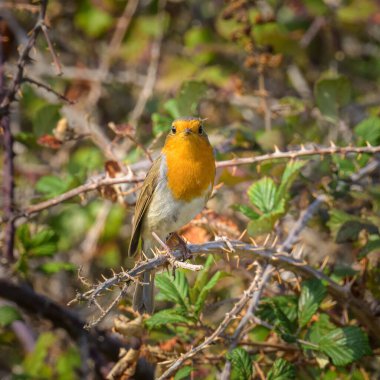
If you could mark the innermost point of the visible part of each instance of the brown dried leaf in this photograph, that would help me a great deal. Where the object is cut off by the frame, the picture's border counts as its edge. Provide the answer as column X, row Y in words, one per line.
column 49, row 141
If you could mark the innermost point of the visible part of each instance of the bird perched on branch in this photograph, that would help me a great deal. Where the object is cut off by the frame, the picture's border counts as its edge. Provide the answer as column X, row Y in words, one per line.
column 175, row 190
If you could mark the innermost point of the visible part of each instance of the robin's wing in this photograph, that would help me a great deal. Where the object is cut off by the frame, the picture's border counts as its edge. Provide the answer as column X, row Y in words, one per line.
column 143, row 203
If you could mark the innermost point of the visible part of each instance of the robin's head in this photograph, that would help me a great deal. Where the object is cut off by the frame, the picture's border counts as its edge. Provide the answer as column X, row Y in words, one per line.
column 187, row 129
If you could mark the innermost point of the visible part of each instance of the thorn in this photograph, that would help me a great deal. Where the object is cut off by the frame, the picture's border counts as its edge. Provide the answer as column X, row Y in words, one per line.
column 368, row 144
column 303, row 148
column 242, row 234
column 253, row 241
column 276, row 149
column 332, row 144
column 266, row 240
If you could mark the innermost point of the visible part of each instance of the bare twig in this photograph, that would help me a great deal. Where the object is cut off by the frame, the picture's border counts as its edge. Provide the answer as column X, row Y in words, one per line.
column 89, row 186
column 314, row 28
column 57, row 64
column 48, row 88
column 6, row 98
column 147, row 89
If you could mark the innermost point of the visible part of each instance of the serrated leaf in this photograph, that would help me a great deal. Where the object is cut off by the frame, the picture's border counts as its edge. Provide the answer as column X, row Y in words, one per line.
column 263, row 194
column 344, row 345
column 206, row 290
column 166, row 316
column 280, row 311
column 24, row 236
column 174, row 289
column 369, row 130
column 8, row 314
column 241, row 364
column 265, row 223
column 183, row 372
column 331, row 94
column 282, row 370
column 247, row 211
column 290, row 174
column 320, row 328
column 201, row 279
column 312, row 294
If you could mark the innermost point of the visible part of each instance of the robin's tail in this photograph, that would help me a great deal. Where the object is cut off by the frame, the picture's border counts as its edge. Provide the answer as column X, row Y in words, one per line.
column 143, row 299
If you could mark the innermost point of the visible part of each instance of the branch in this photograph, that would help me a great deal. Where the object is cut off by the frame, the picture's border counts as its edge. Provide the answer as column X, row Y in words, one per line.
column 238, row 307
column 94, row 182
column 44, row 307
column 47, row 88
column 274, row 256
column 151, row 76
column 302, row 152
column 267, row 275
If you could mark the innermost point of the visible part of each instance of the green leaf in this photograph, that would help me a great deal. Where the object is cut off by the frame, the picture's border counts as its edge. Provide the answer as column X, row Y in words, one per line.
column 24, row 236
column 43, row 243
column 280, row 311
column 92, row 20
column 372, row 245
column 241, row 364
column 265, row 223
column 282, row 370
column 68, row 364
column 331, row 94
column 51, row 186
column 247, row 211
column 35, row 364
column 206, row 290
column 45, row 119
column 201, row 279
column 320, row 328
column 369, row 130
column 290, row 174
column 8, row 314
column 190, row 95
column 346, row 227
column 312, row 294
column 344, row 345
column 161, row 123
column 166, row 316
column 263, row 194
column 183, row 372
column 56, row 266
column 174, row 289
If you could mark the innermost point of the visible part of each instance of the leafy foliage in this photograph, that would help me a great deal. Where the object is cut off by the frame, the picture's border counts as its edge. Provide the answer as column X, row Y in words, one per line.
column 282, row 370
column 241, row 364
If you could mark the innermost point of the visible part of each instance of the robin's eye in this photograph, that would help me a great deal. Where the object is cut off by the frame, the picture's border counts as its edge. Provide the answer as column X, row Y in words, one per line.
column 200, row 130
column 174, row 130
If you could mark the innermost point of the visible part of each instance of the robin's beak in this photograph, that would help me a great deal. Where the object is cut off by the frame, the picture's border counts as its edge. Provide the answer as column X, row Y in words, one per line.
column 187, row 131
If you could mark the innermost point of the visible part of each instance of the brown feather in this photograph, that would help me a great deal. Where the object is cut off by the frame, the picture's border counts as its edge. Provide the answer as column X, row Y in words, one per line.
column 142, row 204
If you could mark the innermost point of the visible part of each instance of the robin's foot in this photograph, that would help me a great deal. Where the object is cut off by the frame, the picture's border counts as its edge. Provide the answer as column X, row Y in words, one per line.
column 174, row 241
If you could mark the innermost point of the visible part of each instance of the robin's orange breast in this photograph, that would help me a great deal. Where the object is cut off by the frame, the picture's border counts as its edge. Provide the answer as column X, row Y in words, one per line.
column 190, row 166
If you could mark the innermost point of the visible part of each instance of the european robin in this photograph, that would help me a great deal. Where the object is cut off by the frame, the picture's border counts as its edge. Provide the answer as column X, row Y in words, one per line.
column 175, row 190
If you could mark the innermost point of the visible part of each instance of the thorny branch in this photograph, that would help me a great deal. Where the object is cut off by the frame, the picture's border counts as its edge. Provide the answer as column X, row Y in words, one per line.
column 286, row 246
column 94, row 183
column 274, row 256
